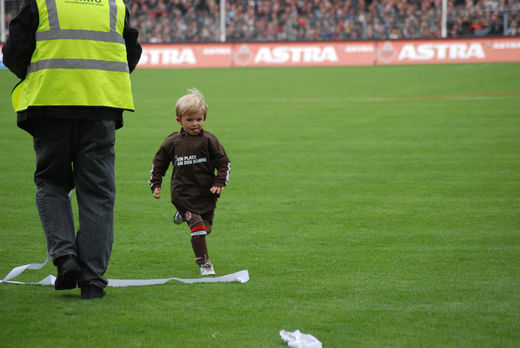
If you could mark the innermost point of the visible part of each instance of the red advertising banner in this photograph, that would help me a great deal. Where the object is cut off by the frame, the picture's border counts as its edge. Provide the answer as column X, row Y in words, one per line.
column 331, row 53
column 345, row 53
column 449, row 51
column 186, row 55
column 303, row 54
column 257, row 54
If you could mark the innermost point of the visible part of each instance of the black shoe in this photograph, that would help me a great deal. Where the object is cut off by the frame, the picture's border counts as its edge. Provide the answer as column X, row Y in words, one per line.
column 68, row 273
column 92, row 291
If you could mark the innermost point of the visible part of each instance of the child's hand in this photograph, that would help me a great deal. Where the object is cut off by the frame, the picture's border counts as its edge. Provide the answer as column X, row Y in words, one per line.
column 216, row 189
column 157, row 192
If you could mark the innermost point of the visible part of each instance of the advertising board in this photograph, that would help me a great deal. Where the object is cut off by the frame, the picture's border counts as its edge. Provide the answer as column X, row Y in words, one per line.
column 346, row 53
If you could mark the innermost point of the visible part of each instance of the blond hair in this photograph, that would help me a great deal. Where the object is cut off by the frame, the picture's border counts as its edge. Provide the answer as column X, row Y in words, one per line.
column 191, row 103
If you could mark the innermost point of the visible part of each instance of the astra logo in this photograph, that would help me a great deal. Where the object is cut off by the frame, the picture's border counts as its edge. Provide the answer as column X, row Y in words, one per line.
column 442, row 51
column 294, row 54
column 168, row 56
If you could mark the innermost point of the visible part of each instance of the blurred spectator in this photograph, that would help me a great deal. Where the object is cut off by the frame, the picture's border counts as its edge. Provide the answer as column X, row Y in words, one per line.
column 496, row 26
column 513, row 29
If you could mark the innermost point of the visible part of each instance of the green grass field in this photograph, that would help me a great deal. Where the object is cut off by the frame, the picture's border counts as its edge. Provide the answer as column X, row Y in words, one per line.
column 372, row 207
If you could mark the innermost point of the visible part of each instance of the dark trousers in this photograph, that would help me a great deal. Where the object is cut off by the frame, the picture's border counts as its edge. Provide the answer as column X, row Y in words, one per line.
column 77, row 154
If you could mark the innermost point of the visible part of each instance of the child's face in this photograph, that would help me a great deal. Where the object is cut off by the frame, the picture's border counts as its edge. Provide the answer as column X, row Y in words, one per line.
column 192, row 124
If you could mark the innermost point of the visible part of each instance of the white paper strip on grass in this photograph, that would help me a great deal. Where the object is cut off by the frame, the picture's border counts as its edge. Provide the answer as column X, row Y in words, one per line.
column 15, row 272
column 297, row 339
column 240, row 276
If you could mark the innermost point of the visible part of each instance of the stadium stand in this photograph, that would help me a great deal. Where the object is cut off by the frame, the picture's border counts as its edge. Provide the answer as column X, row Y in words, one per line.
column 166, row 21
column 302, row 20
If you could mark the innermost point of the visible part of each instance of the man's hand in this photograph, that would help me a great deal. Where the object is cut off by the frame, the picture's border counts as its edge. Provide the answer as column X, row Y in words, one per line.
column 157, row 192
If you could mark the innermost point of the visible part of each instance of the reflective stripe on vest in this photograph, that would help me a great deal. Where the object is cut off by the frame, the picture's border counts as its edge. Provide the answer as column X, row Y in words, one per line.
column 57, row 33
column 80, row 61
column 52, row 13
column 67, row 34
column 78, row 64
column 54, row 22
column 79, row 35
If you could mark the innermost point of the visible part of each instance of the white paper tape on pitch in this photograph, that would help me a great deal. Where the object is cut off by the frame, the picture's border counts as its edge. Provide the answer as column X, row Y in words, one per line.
column 15, row 272
column 240, row 276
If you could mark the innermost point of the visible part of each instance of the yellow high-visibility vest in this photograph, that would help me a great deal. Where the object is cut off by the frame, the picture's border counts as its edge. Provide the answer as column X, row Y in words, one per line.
column 80, row 57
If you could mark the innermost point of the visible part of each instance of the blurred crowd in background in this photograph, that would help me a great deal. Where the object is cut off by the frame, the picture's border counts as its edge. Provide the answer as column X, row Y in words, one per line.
column 166, row 21
column 297, row 20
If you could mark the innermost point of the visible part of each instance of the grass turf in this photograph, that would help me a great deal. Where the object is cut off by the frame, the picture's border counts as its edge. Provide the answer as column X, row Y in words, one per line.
column 372, row 206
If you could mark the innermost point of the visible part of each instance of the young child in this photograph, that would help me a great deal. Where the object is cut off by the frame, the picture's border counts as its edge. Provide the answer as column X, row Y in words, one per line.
column 200, row 173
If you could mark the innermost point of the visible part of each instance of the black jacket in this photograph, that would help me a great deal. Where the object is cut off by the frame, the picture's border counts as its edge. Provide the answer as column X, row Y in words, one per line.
column 17, row 53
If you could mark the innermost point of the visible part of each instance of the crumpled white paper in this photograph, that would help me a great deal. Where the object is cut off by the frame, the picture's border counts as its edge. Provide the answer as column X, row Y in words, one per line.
column 297, row 339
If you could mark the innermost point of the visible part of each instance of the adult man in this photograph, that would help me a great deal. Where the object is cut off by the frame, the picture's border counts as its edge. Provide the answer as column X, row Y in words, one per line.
column 74, row 58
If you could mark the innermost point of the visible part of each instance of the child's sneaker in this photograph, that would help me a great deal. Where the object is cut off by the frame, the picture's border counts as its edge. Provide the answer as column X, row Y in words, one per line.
column 206, row 269
column 177, row 218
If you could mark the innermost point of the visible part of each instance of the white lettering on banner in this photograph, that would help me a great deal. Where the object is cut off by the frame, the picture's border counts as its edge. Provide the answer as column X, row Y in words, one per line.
column 359, row 48
column 284, row 54
column 167, row 56
column 442, row 51
column 214, row 51
column 505, row 45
